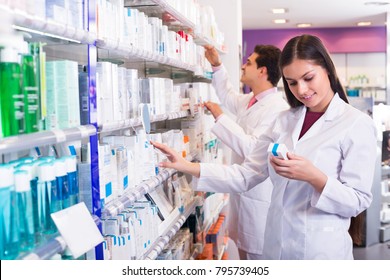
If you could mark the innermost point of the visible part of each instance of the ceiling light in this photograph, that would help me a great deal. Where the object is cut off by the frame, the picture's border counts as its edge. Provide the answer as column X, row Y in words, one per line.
column 364, row 23
column 303, row 25
column 279, row 11
column 280, row 21
column 377, row 3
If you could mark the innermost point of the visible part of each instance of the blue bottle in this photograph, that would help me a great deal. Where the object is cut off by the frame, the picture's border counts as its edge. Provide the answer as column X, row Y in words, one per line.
column 31, row 168
column 47, row 197
column 62, row 183
column 73, row 181
column 25, row 210
column 9, row 235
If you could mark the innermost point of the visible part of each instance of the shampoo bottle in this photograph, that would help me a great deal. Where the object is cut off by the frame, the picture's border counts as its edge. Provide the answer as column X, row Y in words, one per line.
column 12, row 109
column 31, row 170
column 9, row 236
column 62, row 183
column 47, row 197
column 73, row 181
column 25, row 209
column 30, row 91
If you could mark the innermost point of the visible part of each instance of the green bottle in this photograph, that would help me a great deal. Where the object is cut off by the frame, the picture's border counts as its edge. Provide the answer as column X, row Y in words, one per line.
column 30, row 92
column 11, row 97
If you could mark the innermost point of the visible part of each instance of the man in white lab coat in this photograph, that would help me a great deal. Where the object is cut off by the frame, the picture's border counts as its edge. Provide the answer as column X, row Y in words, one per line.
column 254, row 113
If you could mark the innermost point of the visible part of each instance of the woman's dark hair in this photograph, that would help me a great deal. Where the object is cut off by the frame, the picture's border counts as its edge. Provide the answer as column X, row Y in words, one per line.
column 309, row 47
column 269, row 57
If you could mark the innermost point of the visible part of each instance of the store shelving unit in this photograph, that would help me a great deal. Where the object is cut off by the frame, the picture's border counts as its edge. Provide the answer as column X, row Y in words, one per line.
column 44, row 138
column 129, row 197
column 55, row 245
column 171, row 230
column 137, row 122
column 93, row 50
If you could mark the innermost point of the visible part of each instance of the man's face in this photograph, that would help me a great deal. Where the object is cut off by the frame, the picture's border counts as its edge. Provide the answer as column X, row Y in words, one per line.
column 250, row 72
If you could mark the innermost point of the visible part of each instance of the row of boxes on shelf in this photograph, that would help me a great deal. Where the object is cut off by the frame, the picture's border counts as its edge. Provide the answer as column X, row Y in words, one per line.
column 131, row 27
column 133, row 232
column 180, row 247
column 216, row 235
column 126, row 161
column 208, row 226
column 202, row 16
column 48, row 95
column 67, row 12
column 32, row 189
column 120, row 91
column 44, row 94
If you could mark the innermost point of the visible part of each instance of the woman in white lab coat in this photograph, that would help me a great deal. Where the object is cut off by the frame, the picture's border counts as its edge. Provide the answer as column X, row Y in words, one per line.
column 328, row 176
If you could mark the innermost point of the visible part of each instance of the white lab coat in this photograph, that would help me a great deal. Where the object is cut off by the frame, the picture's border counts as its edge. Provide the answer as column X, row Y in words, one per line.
column 247, row 211
column 302, row 223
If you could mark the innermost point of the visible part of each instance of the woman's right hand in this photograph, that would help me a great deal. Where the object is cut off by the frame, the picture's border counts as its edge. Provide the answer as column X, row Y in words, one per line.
column 176, row 161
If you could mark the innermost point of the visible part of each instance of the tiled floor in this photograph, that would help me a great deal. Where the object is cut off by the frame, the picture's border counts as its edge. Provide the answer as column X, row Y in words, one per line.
column 379, row 251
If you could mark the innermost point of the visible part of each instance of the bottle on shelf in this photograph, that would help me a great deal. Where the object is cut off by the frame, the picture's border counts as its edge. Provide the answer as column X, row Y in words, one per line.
column 9, row 239
column 25, row 209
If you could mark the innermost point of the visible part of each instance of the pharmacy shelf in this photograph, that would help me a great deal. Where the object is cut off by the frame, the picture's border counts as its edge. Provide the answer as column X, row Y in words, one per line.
column 175, row 14
column 170, row 231
column 44, row 138
column 136, row 122
column 53, row 246
column 214, row 215
column 48, row 27
column 161, row 8
column 120, row 50
column 201, row 40
column 130, row 196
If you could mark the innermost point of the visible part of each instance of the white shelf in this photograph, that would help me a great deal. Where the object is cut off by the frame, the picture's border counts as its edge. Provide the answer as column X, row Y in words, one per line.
column 130, row 196
column 48, row 250
column 170, row 231
column 44, row 138
column 48, row 27
column 175, row 14
column 214, row 215
column 136, row 122
column 53, row 246
column 134, row 54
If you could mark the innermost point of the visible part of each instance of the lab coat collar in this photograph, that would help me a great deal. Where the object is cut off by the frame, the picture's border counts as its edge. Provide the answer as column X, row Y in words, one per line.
column 335, row 108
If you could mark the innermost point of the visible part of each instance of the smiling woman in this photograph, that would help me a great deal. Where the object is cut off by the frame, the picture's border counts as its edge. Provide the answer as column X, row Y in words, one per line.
column 327, row 178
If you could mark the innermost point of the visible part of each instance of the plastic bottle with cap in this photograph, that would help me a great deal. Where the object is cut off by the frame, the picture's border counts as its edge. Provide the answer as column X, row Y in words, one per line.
column 73, row 181
column 47, row 196
column 62, row 183
column 9, row 236
column 25, row 209
column 12, row 115
column 30, row 89
column 31, row 168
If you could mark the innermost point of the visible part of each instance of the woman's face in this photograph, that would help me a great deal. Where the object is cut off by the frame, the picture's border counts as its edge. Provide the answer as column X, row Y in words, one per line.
column 309, row 83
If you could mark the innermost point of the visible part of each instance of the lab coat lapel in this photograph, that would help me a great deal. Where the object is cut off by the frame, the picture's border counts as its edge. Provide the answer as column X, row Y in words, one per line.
column 299, row 117
column 336, row 107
